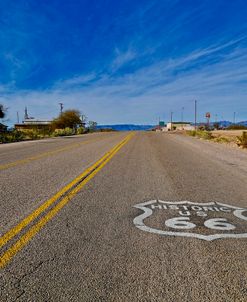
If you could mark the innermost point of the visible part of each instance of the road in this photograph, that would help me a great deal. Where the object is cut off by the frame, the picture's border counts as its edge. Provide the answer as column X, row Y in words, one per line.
column 123, row 217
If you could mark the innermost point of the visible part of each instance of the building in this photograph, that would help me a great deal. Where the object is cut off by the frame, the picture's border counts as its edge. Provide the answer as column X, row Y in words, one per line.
column 160, row 127
column 30, row 123
column 179, row 126
column 33, row 124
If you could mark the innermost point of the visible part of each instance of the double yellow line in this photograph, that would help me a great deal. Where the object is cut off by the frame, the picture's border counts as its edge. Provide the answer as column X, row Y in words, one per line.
column 45, row 154
column 63, row 197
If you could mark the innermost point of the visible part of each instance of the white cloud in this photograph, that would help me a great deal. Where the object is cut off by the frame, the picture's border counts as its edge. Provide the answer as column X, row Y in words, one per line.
column 150, row 92
column 122, row 58
column 76, row 81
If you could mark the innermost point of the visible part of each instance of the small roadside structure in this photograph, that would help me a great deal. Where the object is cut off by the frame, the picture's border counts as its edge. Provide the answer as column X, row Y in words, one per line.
column 31, row 124
column 159, row 128
column 179, row 126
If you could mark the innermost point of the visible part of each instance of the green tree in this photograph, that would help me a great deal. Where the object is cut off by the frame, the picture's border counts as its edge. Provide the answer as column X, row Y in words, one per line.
column 216, row 126
column 68, row 119
column 92, row 126
column 2, row 111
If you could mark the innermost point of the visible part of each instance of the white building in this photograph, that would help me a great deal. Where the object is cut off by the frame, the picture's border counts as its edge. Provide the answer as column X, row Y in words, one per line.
column 179, row 126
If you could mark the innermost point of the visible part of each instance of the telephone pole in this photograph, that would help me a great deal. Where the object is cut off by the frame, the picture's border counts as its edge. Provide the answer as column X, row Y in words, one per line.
column 182, row 118
column 18, row 120
column 61, row 108
column 234, row 118
column 26, row 117
column 182, row 115
column 195, row 114
column 171, row 120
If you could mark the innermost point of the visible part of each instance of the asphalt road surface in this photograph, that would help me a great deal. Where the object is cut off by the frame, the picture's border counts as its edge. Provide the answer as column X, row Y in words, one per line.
column 123, row 217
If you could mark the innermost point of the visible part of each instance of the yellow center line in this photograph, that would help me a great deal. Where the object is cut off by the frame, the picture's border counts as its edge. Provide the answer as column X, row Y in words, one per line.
column 10, row 234
column 81, row 180
column 45, row 154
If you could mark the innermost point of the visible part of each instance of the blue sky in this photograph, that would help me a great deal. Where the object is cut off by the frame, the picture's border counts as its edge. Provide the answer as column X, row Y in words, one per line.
column 124, row 61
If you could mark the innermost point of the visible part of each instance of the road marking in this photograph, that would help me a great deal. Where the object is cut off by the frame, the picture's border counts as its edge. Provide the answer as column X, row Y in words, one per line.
column 183, row 216
column 10, row 234
column 45, row 154
column 75, row 186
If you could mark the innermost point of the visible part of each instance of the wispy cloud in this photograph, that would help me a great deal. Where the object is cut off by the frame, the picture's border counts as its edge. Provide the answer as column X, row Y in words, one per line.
column 75, row 82
column 132, row 63
column 122, row 58
column 151, row 91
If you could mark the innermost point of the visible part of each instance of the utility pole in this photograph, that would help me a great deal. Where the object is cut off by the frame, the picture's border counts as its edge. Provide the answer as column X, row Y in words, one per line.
column 26, row 117
column 182, row 118
column 171, row 120
column 182, row 115
column 216, row 118
column 18, row 120
column 195, row 115
column 61, row 108
column 83, row 119
column 234, row 118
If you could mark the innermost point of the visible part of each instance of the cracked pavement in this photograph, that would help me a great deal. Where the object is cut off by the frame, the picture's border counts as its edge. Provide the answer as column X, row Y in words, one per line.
column 92, row 250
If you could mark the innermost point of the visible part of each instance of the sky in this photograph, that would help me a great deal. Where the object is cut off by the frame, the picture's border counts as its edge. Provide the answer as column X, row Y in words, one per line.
column 128, row 61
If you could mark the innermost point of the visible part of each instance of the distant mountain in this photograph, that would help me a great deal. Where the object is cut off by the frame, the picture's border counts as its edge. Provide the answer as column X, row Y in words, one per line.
column 244, row 123
column 225, row 124
column 131, row 127
column 126, row 127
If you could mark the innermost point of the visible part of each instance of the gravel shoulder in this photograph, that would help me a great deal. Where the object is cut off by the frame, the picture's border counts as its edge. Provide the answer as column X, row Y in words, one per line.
column 229, row 155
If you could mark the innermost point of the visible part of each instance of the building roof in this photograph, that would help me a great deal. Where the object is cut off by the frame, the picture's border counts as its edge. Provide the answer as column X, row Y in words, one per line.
column 180, row 123
column 35, row 122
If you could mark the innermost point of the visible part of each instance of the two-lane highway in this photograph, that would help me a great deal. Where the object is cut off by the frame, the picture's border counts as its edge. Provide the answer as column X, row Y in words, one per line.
column 123, row 217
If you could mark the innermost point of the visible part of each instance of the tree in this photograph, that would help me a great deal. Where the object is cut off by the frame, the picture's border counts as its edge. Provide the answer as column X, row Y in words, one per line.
column 2, row 111
column 92, row 126
column 67, row 119
column 216, row 126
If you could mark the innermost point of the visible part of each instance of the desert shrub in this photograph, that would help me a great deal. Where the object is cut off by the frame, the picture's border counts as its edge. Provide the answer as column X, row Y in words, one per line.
column 222, row 139
column 204, row 134
column 80, row 130
column 11, row 136
column 242, row 140
column 236, row 127
column 191, row 132
column 33, row 134
column 216, row 126
column 107, row 130
column 3, row 138
column 17, row 135
column 63, row 132
column 200, row 133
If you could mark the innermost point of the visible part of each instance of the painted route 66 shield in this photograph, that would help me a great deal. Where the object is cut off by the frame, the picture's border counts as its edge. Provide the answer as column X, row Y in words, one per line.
column 207, row 221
